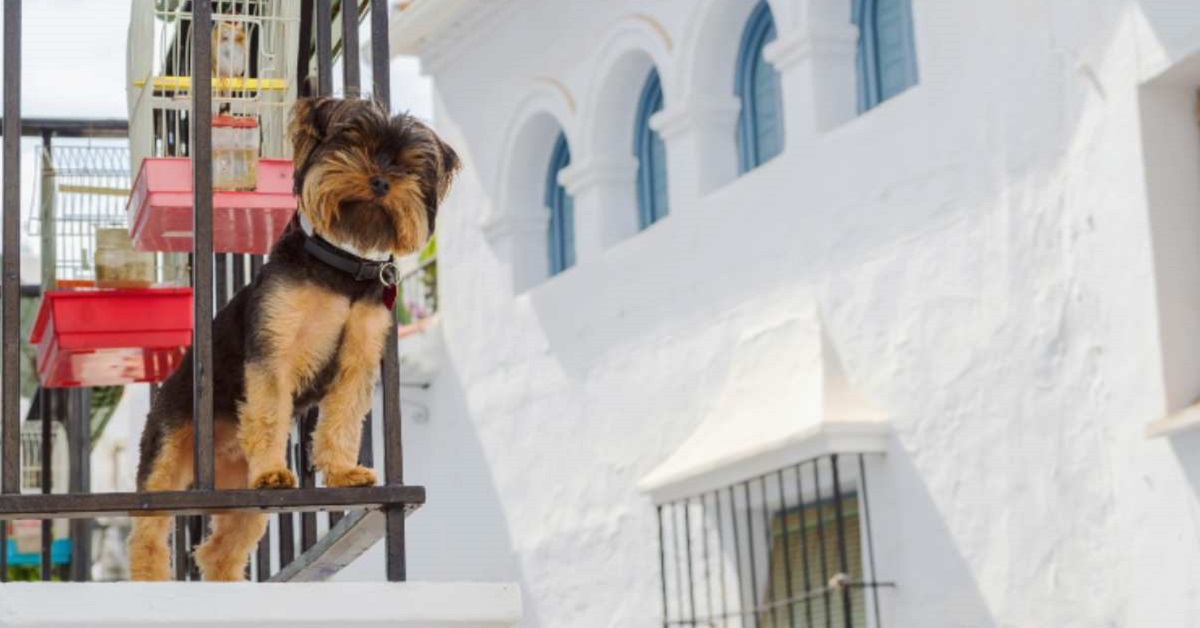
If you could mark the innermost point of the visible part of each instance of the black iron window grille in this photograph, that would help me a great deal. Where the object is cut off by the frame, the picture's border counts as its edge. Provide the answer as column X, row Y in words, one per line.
column 791, row 548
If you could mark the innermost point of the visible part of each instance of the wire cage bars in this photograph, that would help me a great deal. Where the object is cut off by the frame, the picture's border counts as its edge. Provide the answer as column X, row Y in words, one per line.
column 252, row 50
column 82, row 190
column 788, row 548
column 377, row 512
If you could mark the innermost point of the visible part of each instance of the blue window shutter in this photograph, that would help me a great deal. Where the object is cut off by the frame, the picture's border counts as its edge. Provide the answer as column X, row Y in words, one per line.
column 561, row 231
column 887, row 62
column 651, row 154
column 760, row 121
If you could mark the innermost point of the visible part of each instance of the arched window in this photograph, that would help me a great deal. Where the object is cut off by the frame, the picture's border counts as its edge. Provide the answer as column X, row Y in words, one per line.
column 562, row 210
column 651, row 154
column 760, row 121
column 887, row 59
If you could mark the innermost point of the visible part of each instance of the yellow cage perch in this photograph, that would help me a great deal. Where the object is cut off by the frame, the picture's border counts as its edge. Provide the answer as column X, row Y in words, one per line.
column 184, row 83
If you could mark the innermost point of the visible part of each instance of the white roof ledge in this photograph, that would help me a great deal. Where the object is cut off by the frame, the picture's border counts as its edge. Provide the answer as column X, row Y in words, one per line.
column 784, row 400
column 414, row 22
column 822, row 440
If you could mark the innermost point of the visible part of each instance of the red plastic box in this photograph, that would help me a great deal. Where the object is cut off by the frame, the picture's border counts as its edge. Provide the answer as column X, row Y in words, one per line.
column 111, row 337
column 160, row 208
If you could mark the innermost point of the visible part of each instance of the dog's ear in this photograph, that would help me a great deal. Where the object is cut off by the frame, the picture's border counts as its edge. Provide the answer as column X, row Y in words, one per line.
column 310, row 121
column 447, row 167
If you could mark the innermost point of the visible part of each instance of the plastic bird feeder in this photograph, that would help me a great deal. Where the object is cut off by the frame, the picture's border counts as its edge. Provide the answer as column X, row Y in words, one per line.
column 160, row 208
column 111, row 337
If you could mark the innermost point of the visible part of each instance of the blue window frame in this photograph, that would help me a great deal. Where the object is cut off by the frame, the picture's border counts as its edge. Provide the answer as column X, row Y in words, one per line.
column 760, row 120
column 887, row 58
column 651, row 154
column 561, row 233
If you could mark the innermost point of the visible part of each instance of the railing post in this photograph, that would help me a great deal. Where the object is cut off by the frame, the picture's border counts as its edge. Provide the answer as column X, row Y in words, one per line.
column 79, row 445
column 393, row 445
column 10, row 293
column 202, row 258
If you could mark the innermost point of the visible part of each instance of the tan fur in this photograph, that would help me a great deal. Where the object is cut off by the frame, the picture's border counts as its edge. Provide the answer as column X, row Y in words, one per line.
column 149, row 554
column 336, row 440
column 224, row 554
column 302, row 325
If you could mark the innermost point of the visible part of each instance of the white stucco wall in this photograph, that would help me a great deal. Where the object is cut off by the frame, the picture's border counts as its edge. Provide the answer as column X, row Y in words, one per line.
column 981, row 252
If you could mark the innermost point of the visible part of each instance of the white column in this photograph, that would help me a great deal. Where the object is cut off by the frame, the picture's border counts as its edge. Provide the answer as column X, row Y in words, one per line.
column 701, row 139
column 818, row 75
column 522, row 241
column 604, row 191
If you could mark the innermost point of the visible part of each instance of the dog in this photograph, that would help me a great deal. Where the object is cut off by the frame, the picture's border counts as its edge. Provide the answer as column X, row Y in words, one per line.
column 308, row 332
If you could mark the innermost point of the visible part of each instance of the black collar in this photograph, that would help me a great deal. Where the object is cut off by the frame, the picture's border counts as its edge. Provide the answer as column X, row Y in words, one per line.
column 359, row 268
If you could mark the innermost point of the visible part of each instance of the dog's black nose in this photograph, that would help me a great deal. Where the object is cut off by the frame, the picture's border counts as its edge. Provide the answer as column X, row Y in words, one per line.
column 379, row 185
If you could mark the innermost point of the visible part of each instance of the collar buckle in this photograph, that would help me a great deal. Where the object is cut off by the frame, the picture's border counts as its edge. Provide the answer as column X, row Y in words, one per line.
column 389, row 274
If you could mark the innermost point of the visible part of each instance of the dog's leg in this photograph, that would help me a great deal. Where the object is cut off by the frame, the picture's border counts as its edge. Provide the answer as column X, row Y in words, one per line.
column 336, row 440
column 300, row 330
column 149, row 552
column 224, row 554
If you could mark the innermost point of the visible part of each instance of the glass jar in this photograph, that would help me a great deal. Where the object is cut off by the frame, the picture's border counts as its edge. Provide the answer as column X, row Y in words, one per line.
column 235, row 151
column 118, row 265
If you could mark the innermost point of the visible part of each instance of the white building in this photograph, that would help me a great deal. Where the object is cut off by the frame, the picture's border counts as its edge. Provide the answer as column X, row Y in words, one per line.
column 988, row 283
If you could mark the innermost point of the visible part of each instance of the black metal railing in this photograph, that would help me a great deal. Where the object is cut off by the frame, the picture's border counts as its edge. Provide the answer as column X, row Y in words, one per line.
column 788, row 548
column 378, row 510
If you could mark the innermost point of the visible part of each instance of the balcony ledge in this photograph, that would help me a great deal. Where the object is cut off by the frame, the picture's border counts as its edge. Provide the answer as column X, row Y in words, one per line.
column 1185, row 420
column 184, row 604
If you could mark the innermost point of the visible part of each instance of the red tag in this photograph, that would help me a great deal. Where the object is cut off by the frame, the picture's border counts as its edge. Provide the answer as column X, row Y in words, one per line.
column 389, row 297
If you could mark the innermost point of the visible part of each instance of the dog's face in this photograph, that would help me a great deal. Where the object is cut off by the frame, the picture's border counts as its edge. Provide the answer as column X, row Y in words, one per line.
column 365, row 179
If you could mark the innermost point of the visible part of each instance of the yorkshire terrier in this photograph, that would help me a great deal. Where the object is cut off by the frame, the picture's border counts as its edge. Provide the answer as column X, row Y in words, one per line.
column 309, row 331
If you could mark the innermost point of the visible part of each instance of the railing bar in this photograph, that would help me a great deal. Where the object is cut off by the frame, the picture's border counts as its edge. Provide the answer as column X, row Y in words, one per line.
column 10, row 293
column 304, row 58
column 79, row 443
column 821, row 538
column 287, row 532
column 366, row 447
column 239, row 272
column 202, row 258
column 181, row 548
column 862, row 478
column 351, row 79
column 47, row 409
column 221, row 280
column 750, row 541
column 721, row 550
column 335, row 516
column 196, row 527
column 704, row 547
column 256, row 264
column 804, row 545
column 380, row 55
column 677, row 553
column 787, row 548
column 737, row 551
column 393, row 441
column 308, row 520
column 762, row 490
column 841, row 538
column 262, row 556
column 662, row 565
column 687, row 535
column 324, row 25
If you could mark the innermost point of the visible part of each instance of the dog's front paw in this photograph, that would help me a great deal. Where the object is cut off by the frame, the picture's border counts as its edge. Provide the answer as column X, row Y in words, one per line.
column 354, row 476
column 275, row 478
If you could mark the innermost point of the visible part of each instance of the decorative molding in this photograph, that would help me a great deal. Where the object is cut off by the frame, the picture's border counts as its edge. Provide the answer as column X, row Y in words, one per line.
column 582, row 176
column 495, row 227
column 714, row 113
column 822, row 39
column 558, row 86
column 657, row 26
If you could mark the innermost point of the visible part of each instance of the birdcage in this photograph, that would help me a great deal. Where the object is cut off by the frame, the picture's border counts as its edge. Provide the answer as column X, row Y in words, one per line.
column 254, row 51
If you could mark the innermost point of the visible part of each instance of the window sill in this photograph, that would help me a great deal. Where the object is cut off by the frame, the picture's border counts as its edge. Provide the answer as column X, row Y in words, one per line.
column 1185, row 420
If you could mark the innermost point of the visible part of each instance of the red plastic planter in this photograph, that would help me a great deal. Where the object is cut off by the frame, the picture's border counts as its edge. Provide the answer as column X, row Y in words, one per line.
column 160, row 208
column 111, row 337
